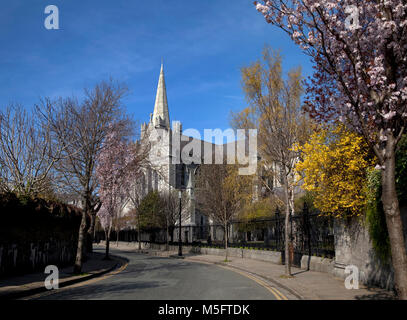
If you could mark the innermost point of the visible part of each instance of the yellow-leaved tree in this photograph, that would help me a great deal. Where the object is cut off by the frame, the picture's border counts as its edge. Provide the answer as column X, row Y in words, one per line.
column 334, row 168
column 275, row 111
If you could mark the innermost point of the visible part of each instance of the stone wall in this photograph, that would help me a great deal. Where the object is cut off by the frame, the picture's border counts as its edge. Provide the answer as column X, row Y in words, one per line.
column 30, row 257
column 317, row 264
column 35, row 233
column 262, row 255
column 353, row 246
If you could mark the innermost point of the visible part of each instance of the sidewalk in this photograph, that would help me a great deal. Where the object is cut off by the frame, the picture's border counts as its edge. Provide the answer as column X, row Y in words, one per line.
column 33, row 283
column 308, row 285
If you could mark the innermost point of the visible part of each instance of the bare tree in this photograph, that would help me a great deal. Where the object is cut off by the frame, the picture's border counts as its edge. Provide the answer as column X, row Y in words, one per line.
column 222, row 192
column 27, row 156
column 171, row 211
column 80, row 129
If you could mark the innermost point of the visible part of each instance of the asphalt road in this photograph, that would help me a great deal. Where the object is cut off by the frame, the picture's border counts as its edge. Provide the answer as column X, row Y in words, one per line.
column 156, row 278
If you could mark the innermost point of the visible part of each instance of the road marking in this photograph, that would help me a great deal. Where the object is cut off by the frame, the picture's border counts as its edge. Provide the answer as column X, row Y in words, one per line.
column 247, row 274
column 273, row 290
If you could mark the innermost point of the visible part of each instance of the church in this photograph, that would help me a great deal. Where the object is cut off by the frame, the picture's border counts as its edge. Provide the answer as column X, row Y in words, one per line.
column 173, row 164
column 167, row 171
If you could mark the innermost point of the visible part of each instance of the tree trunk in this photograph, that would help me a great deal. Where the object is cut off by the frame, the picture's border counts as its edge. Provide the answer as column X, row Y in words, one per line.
column 394, row 221
column 79, row 252
column 166, row 238
column 287, row 225
column 226, row 242
column 107, row 233
column 92, row 230
column 91, row 233
column 138, row 233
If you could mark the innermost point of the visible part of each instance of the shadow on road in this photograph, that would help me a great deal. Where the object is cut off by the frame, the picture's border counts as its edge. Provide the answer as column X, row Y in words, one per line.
column 104, row 291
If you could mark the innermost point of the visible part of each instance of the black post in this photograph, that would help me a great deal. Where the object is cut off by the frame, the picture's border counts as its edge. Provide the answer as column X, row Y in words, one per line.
column 307, row 227
column 179, row 233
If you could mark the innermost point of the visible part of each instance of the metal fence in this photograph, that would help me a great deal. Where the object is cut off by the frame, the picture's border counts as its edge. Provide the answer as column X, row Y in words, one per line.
column 311, row 234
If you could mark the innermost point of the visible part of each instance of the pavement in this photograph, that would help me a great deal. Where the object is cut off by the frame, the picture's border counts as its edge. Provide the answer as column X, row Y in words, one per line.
column 21, row 286
column 305, row 285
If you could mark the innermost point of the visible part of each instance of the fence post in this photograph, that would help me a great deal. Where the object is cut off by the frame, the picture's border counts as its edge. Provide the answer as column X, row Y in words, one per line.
column 307, row 226
column 277, row 229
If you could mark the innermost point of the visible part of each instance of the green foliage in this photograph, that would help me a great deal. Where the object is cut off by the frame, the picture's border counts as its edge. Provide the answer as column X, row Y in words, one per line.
column 306, row 198
column 375, row 217
column 151, row 211
column 401, row 170
column 257, row 210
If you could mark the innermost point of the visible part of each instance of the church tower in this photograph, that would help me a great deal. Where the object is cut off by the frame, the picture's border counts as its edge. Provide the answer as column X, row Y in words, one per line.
column 161, row 116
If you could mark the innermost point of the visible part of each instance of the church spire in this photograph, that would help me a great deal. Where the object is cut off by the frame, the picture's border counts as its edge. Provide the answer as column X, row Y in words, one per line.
column 161, row 117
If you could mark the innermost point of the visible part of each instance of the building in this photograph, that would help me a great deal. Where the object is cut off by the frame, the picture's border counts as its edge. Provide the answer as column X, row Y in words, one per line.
column 174, row 159
column 167, row 171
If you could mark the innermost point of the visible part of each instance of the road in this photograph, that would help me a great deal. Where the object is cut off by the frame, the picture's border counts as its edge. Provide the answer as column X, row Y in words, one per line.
column 160, row 278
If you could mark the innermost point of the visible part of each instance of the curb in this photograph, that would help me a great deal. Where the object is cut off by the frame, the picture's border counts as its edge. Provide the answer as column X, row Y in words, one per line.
column 41, row 289
column 277, row 283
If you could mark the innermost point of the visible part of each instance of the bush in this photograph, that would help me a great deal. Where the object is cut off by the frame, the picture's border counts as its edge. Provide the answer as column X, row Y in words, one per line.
column 401, row 171
column 375, row 217
column 26, row 219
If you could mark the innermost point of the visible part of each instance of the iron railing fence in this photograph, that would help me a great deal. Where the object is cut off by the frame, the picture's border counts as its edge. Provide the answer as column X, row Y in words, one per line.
column 312, row 234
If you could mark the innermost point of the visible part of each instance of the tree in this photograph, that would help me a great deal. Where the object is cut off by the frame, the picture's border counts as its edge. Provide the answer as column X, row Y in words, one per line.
column 254, row 213
column 334, row 165
column 27, row 156
column 111, row 175
column 359, row 50
column 80, row 128
column 222, row 192
column 275, row 109
column 151, row 215
column 171, row 203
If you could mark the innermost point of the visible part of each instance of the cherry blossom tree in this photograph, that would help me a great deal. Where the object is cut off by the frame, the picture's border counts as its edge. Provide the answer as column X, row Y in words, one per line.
column 359, row 51
column 111, row 175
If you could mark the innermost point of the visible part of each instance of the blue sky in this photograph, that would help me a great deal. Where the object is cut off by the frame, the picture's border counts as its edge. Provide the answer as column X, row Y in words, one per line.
column 204, row 44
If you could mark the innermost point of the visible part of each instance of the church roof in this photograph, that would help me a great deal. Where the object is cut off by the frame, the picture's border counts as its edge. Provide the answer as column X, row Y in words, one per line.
column 161, row 115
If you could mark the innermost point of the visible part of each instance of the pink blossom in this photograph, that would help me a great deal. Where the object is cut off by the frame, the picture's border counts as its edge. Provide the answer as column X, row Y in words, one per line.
column 111, row 175
column 353, row 78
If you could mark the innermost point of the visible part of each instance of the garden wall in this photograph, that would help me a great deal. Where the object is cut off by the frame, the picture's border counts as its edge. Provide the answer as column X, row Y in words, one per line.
column 353, row 246
column 19, row 258
column 35, row 233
